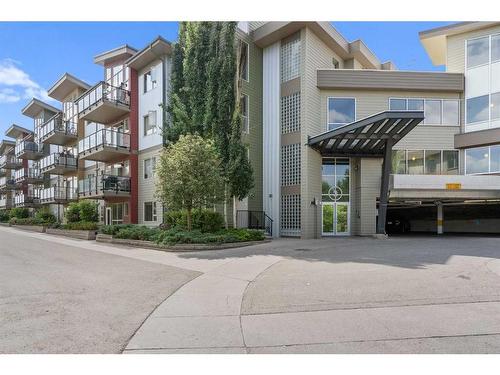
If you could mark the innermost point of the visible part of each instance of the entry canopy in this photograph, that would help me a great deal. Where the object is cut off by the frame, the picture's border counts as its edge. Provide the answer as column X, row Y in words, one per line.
column 368, row 136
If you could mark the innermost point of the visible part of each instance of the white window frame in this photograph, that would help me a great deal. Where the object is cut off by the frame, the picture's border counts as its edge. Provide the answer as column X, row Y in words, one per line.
column 154, row 83
column 489, row 161
column 154, row 212
column 429, row 149
column 153, row 128
column 328, row 110
column 442, row 100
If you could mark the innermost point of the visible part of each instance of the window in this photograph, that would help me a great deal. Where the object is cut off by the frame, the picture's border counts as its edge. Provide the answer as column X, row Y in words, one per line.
column 425, row 162
column 477, row 52
column 150, row 123
column 415, row 162
column 125, row 209
column 495, row 106
column 450, row 162
column 399, row 161
column 150, row 211
column 290, row 60
column 244, row 60
column 290, row 113
column 436, row 111
column 290, row 215
column 149, row 167
column 290, row 165
column 433, row 112
column 495, row 48
column 451, row 112
column 477, row 109
column 244, row 114
column 432, row 162
column 335, row 63
column 397, row 104
column 341, row 111
column 149, row 81
column 477, row 160
column 416, row 104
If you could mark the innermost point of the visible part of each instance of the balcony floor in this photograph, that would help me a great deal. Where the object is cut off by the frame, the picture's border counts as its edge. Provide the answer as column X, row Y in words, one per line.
column 59, row 169
column 60, row 139
column 104, row 112
column 30, row 155
column 105, row 154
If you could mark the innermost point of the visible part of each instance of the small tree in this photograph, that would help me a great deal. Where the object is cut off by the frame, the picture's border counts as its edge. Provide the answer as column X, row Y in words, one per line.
column 189, row 175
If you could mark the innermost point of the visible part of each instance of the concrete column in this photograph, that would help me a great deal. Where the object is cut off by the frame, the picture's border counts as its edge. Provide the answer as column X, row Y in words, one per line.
column 439, row 206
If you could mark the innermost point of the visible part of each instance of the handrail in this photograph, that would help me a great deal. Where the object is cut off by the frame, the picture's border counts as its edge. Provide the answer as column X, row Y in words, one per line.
column 27, row 173
column 67, row 160
column 104, row 183
column 254, row 220
column 56, row 124
column 58, row 192
column 102, row 91
column 24, row 146
column 104, row 137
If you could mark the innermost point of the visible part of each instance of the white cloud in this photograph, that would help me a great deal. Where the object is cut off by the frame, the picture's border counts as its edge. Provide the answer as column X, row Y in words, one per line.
column 19, row 84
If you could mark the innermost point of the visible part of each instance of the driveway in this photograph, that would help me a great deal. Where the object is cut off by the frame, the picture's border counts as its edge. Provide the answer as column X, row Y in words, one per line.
column 341, row 295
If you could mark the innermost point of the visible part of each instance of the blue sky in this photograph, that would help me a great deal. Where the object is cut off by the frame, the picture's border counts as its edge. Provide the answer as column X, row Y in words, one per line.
column 34, row 55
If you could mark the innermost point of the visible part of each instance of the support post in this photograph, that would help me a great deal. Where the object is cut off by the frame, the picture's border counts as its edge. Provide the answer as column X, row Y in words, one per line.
column 384, row 187
column 439, row 206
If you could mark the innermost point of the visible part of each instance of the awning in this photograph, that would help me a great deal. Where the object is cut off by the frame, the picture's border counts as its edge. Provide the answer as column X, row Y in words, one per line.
column 368, row 136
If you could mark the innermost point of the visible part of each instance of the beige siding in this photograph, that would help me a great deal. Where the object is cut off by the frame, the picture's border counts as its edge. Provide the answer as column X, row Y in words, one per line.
column 147, row 188
column 371, row 172
column 455, row 48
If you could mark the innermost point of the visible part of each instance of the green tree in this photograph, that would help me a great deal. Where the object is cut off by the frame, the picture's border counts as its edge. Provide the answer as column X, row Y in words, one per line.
column 189, row 175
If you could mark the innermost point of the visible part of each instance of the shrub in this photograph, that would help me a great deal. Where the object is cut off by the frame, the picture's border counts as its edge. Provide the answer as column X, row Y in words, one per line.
column 4, row 216
column 81, row 225
column 178, row 236
column 45, row 216
column 88, row 211
column 19, row 213
column 25, row 221
column 72, row 213
column 203, row 220
column 113, row 229
column 138, row 232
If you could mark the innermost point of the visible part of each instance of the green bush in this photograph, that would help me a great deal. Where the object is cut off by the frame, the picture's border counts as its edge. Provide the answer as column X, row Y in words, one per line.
column 4, row 216
column 138, row 232
column 113, row 229
column 25, row 221
column 178, row 236
column 19, row 213
column 89, row 211
column 203, row 220
column 81, row 225
column 45, row 216
column 72, row 213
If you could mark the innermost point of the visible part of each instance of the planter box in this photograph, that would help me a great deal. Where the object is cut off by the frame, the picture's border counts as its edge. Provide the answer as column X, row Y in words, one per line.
column 31, row 228
column 176, row 248
column 4, row 224
column 79, row 234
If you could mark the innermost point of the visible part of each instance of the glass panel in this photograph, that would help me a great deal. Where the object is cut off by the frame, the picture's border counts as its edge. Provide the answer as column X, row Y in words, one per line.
column 340, row 111
column 341, row 218
column 495, row 159
column 495, row 105
column 477, row 52
column 450, row 112
column 476, row 160
column 495, row 48
column 477, row 109
column 327, row 184
column 415, row 162
column 342, row 167
column 399, row 161
column 397, row 104
column 415, row 104
column 327, row 218
column 432, row 162
column 450, row 162
column 433, row 112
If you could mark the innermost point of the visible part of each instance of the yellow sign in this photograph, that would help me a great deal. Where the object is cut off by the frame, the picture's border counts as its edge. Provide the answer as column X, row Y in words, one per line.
column 456, row 186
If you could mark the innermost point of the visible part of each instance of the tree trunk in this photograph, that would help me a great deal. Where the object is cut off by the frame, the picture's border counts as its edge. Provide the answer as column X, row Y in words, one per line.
column 189, row 225
column 226, row 207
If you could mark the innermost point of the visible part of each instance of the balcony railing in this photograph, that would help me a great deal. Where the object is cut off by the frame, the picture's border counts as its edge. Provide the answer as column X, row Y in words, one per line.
column 7, row 183
column 57, row 194
column 104, row 185
column 3, row 172
column 104, row 145
column 58, row 163
column 5, row 203
column 31, row 175
column 58, row 132
column 10, row 162
column 28, row 150
column 27, row 200
column 103, row 103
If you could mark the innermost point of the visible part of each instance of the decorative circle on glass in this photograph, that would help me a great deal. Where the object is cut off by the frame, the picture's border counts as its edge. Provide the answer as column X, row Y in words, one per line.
column 335, row 193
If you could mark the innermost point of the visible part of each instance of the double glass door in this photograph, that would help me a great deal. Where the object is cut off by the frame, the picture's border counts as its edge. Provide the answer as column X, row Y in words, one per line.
column 335, row 196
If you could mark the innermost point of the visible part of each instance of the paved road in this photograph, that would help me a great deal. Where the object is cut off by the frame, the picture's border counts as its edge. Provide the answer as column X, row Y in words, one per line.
column 342, row 295
column 59, row 297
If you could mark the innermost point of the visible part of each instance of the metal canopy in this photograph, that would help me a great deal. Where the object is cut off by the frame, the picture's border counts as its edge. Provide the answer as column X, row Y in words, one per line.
column 368, row 136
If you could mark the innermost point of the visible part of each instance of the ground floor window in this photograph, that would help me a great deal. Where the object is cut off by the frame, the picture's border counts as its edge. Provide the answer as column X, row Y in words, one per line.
column 482, row 160
column 150, row 211
column 425, row 162
column 335, row 193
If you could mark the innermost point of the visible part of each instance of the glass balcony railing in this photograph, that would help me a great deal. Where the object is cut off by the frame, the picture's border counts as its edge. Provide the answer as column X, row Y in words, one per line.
column 57, row 194
column 104, row 184
column 104, row 137
column 56, row 125
column 103, row 91
column 61, row 161
column 28, row 173
column 31, row 198
column 10, row 161
column 5, row 203
column 7, row 183
column 27, row 147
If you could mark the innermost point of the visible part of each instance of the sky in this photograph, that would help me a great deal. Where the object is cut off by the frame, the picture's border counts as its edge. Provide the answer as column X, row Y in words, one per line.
column 33, row 55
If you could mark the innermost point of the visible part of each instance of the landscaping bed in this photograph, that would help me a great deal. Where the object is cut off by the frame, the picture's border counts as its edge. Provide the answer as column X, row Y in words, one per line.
column 73, row 233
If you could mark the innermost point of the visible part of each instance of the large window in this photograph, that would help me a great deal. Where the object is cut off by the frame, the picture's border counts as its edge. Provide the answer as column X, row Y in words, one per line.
column 341, row 111
column 244, row 60
column 436, row 111
column 433, row 162
column 290, row 60
column 150, row 211
column 244, row 114
column 482, row 160
column 149, row 123
column 149, row 80
column 149, row 167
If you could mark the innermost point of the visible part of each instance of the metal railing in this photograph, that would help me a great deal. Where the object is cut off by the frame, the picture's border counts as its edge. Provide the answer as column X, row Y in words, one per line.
column 96, row 185
column 9, row 159
column 54, row 193
column 104, row 137
column 24, row 146
column 103, row 91
column 30, row 198
column 254, row 220
column 7, row 183
column 27, row 173
column 57, row 125
column 59, row 159
column 5, row 203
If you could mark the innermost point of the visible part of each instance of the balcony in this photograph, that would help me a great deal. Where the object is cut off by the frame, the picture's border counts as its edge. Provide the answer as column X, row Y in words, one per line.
column 28, row 175
column 27, row 200
column 3, row 172
column 10, row 162
column 105, row 145
column 58, row 132
column 28, row 150
column 7, row 184
column 58, row 194
column 5, row 203
column 103, row 103
column 104, row 186
column 59, row 164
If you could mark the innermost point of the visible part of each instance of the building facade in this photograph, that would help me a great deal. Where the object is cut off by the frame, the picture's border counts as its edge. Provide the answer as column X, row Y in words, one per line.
column 341, row 143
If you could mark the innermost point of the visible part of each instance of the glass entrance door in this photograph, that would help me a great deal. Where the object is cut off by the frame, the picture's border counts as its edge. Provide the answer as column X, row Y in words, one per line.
column 335, row 196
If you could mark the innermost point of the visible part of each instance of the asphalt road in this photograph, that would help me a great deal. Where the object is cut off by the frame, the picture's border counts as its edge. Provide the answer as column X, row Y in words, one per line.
column 56, row 298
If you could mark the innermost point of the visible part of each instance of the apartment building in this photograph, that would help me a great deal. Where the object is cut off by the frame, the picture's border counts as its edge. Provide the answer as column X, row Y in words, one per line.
column 341, row 143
